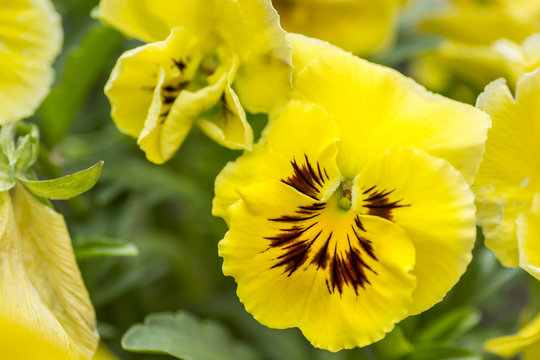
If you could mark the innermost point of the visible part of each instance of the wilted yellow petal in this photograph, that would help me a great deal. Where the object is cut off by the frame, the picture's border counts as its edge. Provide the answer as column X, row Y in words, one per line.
column 43, row 295
column 30, row 39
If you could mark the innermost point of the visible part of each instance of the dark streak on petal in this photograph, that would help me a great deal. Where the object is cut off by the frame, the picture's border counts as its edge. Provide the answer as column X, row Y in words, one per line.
column 379, row 204
column 305, row 179
column 321, row 259
column 365, row 244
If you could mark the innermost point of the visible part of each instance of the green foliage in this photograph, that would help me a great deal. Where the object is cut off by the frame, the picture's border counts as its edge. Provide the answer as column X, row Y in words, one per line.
column 183, row 336
column 19, row 146
column 100, row 246
column 66, row 187
column 83, row 68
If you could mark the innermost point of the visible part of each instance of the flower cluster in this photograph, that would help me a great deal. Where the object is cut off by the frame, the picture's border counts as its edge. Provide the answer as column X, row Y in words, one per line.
column 358, row 205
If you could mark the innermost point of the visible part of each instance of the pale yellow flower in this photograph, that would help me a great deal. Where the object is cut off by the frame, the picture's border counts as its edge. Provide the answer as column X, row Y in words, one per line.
column 30, row 39
column 507, row 186
column 361, row 26
column 45, row 310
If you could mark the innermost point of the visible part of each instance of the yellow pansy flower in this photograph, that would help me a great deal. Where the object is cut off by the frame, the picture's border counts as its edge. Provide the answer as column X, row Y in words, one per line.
column 45, row 310
column 484, row 40
column 508, row 183
column 30, row 39
column 198, row 50
column 354, row 210
column 361, row 26
column 526, row 342
column 478, row 65
column 483, row 22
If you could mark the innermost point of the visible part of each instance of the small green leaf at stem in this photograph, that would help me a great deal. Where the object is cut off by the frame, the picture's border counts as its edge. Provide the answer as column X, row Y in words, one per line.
column 65, row 187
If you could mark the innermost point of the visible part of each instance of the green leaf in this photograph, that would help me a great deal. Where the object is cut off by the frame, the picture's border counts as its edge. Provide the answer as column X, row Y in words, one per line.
column 7, row 181
column 185, row 337
column 67, row 186
column 104, row 247
column 84, row 68
column 394, row 346
column 451, row 325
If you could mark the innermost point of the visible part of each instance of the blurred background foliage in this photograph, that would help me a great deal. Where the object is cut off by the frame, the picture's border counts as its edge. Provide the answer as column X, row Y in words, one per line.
column 146, row 241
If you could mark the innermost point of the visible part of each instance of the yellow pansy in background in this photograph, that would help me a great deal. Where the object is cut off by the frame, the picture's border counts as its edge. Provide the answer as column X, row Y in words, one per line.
column 30, row 39
column 525, row 342
column 199, row 50
column 354, row 210
column 508, row 183
column 364, row 27
column 483, row 40
column 484, row 22
column 478, row 65
column 45, row 308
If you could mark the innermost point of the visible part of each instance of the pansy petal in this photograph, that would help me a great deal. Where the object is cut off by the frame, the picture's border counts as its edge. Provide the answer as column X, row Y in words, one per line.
column 20, row 343
column 152, row 21
column 306, row 49
column 130, row 89
column 490, row 24
column 509, row 346
column 165, row 129
column 498, row 215
column 433, row 203
column 229, row 127
column 41, row 287
column 263, row 82
column 306, row 268
column 377, row 108
column 134, row 79
column 528, row 233
column 280, row 147
column 509, row 175
column 30, row 39
column 360, row 26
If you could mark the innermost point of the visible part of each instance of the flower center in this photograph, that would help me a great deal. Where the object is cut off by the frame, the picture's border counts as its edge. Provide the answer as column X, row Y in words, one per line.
column 344, row 192
column 322, row 235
